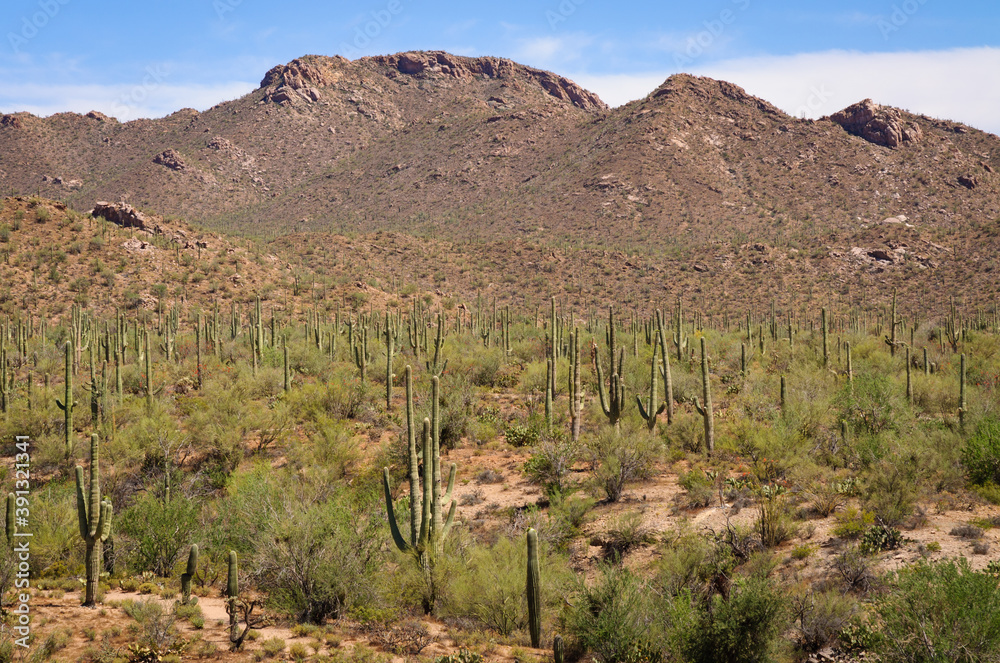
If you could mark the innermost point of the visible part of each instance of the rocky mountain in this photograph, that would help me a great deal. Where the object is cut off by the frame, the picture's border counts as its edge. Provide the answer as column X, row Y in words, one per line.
column 697, row 177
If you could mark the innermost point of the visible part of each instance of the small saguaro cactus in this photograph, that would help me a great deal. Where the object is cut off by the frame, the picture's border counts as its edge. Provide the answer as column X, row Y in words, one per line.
column 232, row 595
column 361, row 354
column 557, row 649
column 67, row 404
column 963, row 406
column 826, row 342
column 188, row 575
column 653, row 410
column 549, row 368
column 706, row 410
column 533, row 588
column 94, row 519
column 435, row 366
column 575, row 386
column 10, row 523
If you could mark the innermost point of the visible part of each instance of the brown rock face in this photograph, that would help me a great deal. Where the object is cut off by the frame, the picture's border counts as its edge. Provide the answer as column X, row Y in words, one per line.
column 171, row 159
column 968, row 181
column 123, row 214
column 11, row 121
column 881, row 125
column 424, row 64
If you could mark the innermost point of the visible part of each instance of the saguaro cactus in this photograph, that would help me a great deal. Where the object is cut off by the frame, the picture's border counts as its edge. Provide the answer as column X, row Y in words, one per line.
column 390, row 346
column 653, row 410
column 706, row 410
column 95, row 519
column 575, row 386
column 189, row 573
column 668, row 382
column 232, row 594
column 612, row 399
column 533, row 588
column 962, row 404
column 427, row 528
column 11, row 526
column 826, row 344
column 67, row 404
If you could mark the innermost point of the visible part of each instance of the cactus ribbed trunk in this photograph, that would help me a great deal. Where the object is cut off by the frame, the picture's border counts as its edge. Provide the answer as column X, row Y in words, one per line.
column 533, row 587
column 94, row 517
column 706, row 410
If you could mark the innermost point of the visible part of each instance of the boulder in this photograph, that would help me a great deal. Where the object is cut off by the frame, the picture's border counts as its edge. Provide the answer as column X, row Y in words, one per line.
column 881, row 125
column 968, row 181
column 171, row 159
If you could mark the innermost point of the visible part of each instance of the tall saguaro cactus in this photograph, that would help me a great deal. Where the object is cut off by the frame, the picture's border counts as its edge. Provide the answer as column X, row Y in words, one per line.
column 232, row 594
column 706, row 410
column 668, row 382
column 962, row 404
column 67, row 404
column 95, row 519
column 533, row 588
column 575, row 386
column 612, row 399
column 428, row 528
column 653, row 410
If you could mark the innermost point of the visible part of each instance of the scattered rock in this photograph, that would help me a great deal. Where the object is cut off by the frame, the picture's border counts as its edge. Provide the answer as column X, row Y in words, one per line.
column 881, row 125
column 698, row 267
column 881, row 255
column 171, row 159
column 968, row 181
column 136, row 245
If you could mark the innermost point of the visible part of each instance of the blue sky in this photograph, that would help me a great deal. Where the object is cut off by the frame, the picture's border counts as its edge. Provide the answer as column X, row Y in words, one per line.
column 147, row 58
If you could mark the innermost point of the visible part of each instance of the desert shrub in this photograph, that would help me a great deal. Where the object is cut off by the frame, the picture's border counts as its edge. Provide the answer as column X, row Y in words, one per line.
column 870, row 405
column 701, row 491
column 621, row 457
column 159, row 531
column 744, row 627
column 819, row 617
column 319, row 554
column 616, row 619
column 852, row 523
column 981, row 454
column 490, row 589
column 625, row 533
column 890, row 491
column 157, row 633
column 940, row 611
column 854, row 568
column 773, row 523
column 551, row 464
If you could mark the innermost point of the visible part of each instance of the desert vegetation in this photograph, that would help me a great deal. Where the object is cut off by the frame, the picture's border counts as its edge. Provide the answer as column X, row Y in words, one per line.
column 480, row 480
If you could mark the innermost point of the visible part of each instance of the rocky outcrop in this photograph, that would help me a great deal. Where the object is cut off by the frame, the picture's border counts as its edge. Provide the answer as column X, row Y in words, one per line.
column 171, row 159
column 881, row 125
column 11, row 122
column 99, row 116
column 424, row 64
column 124, row 215
column 968, row 181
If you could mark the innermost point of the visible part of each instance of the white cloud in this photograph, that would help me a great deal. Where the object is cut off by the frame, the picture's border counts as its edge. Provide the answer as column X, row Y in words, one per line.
column 125, row 102
column 957, row 84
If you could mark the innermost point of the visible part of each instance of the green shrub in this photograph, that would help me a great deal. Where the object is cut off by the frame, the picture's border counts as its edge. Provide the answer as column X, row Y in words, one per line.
column 520, row 435
column 746, row 627
column 272, row 647
column 878, row 538
column 613, row 619
column 620, row 457
column 159, row 531
column 981, row 455
column 940, row 611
